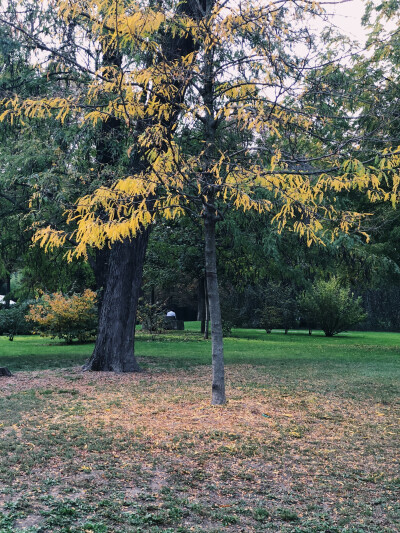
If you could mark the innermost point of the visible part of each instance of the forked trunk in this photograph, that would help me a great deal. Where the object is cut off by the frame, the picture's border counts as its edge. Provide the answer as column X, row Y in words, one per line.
column 114, row 349
column 218, row 372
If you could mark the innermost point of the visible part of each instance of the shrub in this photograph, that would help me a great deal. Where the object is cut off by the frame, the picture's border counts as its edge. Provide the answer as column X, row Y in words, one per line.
column 13, row 321
column 65, row 317
column 333, row 307
column 227, row 326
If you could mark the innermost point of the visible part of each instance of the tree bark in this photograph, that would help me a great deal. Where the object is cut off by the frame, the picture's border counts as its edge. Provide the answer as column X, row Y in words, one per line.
column 114, row 349
column 218, row 371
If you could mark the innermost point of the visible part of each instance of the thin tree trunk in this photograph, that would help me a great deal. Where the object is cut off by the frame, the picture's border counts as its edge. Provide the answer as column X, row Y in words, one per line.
column 218, row 371
column 114, row 349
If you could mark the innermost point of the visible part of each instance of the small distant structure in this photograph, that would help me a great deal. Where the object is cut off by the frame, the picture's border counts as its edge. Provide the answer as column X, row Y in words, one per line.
column 3, row 300
column 171, row 322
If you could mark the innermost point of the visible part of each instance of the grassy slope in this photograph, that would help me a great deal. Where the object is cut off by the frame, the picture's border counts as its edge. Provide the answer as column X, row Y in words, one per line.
column 306, row 444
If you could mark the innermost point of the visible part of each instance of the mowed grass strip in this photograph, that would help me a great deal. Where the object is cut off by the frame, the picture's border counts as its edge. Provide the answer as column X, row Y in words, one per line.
column 308, row 441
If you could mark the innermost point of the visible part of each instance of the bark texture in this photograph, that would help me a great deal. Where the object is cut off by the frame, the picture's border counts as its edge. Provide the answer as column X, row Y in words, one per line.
column 218, row 373
column 114, row 349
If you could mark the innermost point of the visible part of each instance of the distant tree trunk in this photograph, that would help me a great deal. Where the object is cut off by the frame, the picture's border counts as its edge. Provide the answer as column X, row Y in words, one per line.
column 100, row 270
column 206, row 322
column 286, row 331
column 201, row 304
column 8, row 290
column 309, row 331
column 114, row 349
column 206, row 312
column 218, row 372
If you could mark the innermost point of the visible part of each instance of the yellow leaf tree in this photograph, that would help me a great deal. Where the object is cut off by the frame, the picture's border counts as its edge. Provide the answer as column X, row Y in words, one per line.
column 121, row 50
column 225, row 71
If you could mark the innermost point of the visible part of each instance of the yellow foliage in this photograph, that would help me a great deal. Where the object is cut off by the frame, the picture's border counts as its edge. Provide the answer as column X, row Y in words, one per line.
column 175, row 179
column 65, row 317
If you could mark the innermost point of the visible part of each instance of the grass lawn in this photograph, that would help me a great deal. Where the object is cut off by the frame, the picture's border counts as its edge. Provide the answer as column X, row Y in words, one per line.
column 308, row 441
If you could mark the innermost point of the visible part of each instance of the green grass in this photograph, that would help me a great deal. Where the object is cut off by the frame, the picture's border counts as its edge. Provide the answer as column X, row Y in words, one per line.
column 361, row 356
column 37, row 353
column 307, row 442
column 187, row 348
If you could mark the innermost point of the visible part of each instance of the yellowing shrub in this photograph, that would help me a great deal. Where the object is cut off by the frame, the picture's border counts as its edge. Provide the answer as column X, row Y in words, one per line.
column 65, row 317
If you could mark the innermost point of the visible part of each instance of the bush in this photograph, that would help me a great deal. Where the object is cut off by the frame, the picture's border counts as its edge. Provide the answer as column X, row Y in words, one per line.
column 227, row 326
column 332, row 307
column 13, row 321
column 65, row 317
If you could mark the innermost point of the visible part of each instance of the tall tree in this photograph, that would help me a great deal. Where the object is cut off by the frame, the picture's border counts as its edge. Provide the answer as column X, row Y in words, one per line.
column 114, row 349
column 222, row 68
column 118, row 271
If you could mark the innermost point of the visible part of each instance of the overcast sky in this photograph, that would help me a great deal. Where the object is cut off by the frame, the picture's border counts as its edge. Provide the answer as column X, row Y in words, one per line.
column 347, row 17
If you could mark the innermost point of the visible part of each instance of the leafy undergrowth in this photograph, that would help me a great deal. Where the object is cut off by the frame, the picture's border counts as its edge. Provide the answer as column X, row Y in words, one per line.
column 102, row 453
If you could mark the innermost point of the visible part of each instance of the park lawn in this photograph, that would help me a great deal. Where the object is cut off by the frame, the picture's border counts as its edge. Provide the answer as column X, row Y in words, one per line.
column 308, row 441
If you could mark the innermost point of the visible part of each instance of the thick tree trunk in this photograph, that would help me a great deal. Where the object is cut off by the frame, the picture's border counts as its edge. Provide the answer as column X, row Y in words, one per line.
column 218, row 371
column 114, row 349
